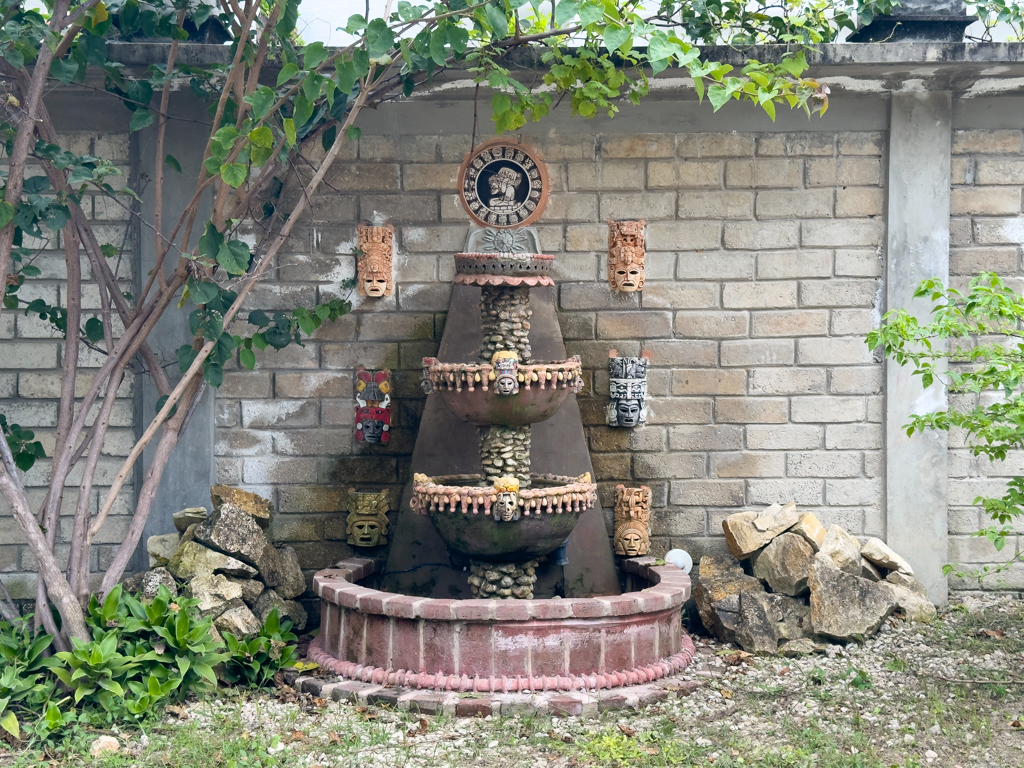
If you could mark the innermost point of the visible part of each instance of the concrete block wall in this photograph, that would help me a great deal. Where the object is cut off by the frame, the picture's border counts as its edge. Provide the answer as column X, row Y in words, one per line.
column 986, row 233
column 31, row 355
column 763, row 274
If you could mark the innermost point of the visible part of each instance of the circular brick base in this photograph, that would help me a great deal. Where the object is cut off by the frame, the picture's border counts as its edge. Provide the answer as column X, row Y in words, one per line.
column 502, row 646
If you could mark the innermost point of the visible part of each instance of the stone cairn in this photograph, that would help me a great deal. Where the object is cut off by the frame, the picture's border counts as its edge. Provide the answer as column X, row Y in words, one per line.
column 505, row 319
column 790, row 586
column 505, row 451
column 224, row 559
column 503, row 581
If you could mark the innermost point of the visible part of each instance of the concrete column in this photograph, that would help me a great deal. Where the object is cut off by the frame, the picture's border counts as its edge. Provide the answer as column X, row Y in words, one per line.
column 918, row 248
column 191, row 469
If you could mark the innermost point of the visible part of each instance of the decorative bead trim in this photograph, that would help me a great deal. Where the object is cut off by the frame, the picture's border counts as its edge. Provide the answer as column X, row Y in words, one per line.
column 513, row 280
column 574, row 494
column 455, row 376
column 537, row 684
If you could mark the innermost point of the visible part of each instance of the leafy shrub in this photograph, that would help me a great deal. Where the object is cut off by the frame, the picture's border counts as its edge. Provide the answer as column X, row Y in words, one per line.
column 255, row 661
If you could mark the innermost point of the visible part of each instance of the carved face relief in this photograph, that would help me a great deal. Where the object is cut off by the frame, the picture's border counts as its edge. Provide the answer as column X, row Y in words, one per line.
column 376, row 249
column 506, row 508
column 367, row 524
column 506, row 372
column 373, row 401
column 628, row 390
column 632, row 520
column 626, row 255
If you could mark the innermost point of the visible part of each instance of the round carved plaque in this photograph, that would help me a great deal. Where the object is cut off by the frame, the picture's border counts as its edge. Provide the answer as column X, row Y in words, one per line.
column 503, row 184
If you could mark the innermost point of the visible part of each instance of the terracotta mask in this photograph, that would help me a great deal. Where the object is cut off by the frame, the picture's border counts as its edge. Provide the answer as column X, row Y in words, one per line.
column 626, row 255
column 376, row 249
column 632, row 520
column 506, row 372
column 367, row 524
column 627, row 389
column 505, row 508
column 373, row 401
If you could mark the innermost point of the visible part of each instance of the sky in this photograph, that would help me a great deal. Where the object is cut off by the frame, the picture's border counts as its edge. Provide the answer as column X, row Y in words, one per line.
column 319, row 19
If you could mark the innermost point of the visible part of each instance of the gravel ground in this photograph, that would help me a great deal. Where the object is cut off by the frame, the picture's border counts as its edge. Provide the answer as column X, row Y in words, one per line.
column 944, row 694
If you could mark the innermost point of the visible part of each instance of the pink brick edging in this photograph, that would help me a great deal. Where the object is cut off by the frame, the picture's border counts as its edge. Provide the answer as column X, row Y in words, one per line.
column 502, row 646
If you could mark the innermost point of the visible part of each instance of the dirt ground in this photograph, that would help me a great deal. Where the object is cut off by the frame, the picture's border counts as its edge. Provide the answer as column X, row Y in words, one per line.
column 947, row 693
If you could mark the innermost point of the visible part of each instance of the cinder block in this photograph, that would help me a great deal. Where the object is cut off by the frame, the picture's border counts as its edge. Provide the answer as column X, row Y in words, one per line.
column 841, row 233
column 713, row 204
column 826, row 409
column 759, row 295
column 824, row 464
column 747, row 464
column 987, row 142
column 715, row 265
column 708, row 381
column 706, row 437
column 859, row 202
column 674, row 174
column 751, row 410
column 763, row 172
column 843, row 351
column 796, row 322
column 839, row 293
column 678, row 295
column 780, row 437
column 787, row 381
column 707, row 325
column 751, row 352
column 789, row 264
column 797, row 203
column 761, row 235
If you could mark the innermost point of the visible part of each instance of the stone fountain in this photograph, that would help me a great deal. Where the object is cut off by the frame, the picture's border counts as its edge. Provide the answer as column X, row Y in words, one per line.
column 501, row 574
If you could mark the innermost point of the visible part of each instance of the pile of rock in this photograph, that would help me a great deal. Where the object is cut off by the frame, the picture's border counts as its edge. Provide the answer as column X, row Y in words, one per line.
column 791, row 586
column 225, row 560
column 503, row 581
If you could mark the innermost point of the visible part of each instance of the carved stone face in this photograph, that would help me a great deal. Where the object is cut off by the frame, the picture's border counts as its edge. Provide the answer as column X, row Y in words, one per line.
column 373, row 430
column 375, row 286
column 366, row 533
column 505, row 385
column 628, row 412
column 506, row 508
column 632, row 543
column 628, row 277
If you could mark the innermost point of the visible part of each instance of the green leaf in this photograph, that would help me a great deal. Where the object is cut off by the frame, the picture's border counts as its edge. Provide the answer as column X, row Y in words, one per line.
column 7, row 212
column 614, row 37
column 94, row 330
column 565, row 11
column 313, row 55
column 171, row 161
column 202, row 292
column 438, row 44
column 186, row 356
column 499, row 24
column 64, row 70
column 9, row 723
column 234, row 174
column 353, row 133
column 288, row 71
column 303, row 111
column 233, row 256
column 289, row 131
column 262, row 99
column 458, row 38
column 247, row 358
column 379, row 38
column 140, row 119
column 262, row 136
column 328, row 138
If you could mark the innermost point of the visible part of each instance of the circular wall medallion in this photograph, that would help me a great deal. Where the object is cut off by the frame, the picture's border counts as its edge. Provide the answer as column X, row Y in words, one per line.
column 503, row 184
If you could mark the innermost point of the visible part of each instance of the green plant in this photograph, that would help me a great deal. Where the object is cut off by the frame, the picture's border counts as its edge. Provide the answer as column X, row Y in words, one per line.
column 24, row 677
column 973, row 344
column 858, row 678
column 254, row 661
column 97, row 670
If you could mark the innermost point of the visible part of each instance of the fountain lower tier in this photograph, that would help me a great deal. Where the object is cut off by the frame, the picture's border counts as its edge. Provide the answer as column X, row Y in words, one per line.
column 502, row 646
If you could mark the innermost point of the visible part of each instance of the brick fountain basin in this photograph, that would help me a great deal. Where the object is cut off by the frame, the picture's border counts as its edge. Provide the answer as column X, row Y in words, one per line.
column 502, row 646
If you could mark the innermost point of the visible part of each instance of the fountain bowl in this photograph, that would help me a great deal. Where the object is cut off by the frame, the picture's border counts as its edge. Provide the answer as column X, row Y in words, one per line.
column 461, row 513
column 466, row 391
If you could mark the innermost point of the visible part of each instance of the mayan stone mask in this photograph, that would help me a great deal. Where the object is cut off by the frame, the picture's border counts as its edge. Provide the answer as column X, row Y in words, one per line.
column 373, row 406
column 626, row 255
column 632, row 520
column 506, row 372
column 367, row 524
column 376, row 249
column 627, row 389
column 506, row 507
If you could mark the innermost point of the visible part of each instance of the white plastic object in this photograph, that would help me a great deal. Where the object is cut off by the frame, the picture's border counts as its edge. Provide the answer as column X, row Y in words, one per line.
column 680, row 558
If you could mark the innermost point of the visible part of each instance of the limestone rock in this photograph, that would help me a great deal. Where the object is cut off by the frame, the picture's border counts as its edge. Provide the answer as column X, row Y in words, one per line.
column 869, row 571
column 844, row 606
column 233, row 531
column 194, row 559
column 151, row 582
column 747, row 532
column 190, row 516
column 238, row 620
column 103, row 744
column 812, row 530
column 842, row 549
column 286, row 609
column 293, row 583
column 250, row 503
column 903, row 580
column 793, row 617
column 785, row 564
column 251, row 590
column 801, row 647
column 162, row 548
column 720, row 580
column 214, row 593
column 758, row 628
column 879, row 553
column 916, row 605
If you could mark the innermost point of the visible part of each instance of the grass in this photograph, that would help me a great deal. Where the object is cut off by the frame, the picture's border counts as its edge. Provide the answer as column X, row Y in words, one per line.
column 872, row 709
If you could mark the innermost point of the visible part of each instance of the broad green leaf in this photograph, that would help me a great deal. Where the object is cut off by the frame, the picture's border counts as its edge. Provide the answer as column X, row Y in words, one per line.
column 438, row 46
column 353, row 133
column 288, row 71
column 262, row 136
column 289, row 131
column 328, row 138
column 9, row 723
column 615, row 37
column 173, row 162
column 140, row 119
column 313, row 55
column 458, row 38
column 303, row 111
column 346, row 75
column 64, row 70
column 262, row 99
column 233, row 256
column 379, row 38
column 7, row 212
column 247, row 358
column 496, row 18
column 565, row 11
column 94, row 330
column 591, row 12
column 234, row 174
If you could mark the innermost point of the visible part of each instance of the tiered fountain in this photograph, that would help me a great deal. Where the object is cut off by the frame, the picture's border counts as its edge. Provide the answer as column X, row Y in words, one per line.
column 501, row 575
